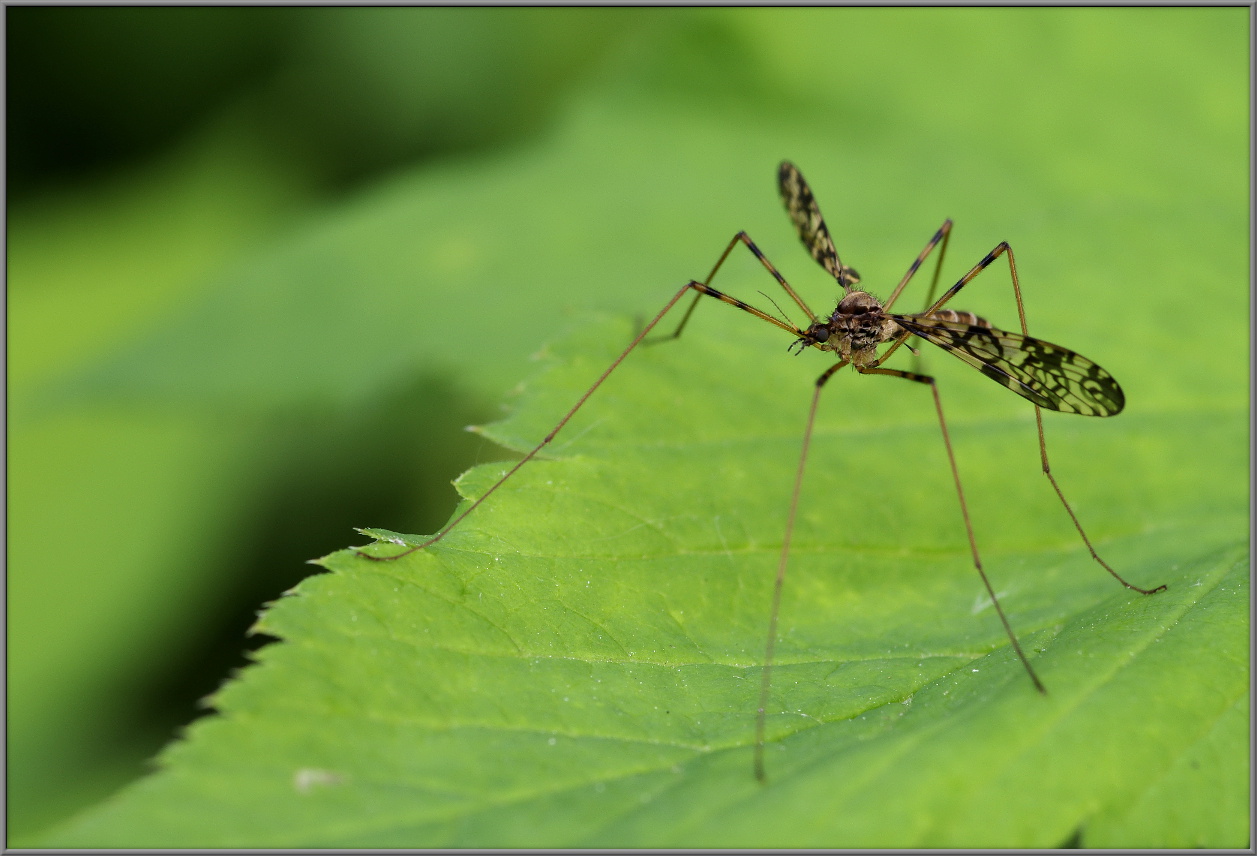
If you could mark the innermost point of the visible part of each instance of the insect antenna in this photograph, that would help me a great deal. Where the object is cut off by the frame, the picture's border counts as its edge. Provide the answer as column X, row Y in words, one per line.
column 782, row 312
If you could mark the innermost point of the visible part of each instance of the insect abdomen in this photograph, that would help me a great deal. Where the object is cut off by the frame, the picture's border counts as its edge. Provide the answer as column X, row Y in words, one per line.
column 961, row 318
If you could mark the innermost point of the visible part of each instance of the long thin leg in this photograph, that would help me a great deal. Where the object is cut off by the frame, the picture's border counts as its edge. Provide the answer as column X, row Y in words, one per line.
column 774, row 609
column 990, row 257
column 964, row 510
column 701, row 290
column 942, row 235
column 938, row 268
column 766, row 675
column 750, row 245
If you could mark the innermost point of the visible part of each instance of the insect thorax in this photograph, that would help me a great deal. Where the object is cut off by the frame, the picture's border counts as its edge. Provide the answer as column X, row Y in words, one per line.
column 854, row 329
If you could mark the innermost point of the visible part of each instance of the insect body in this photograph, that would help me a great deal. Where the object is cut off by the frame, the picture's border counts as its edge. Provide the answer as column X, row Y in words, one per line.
column 855, row 329
column 1047, row 375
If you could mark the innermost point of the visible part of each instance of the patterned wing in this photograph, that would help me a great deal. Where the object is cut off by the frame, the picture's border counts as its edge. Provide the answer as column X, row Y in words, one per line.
column 806, row 214
column 1046, row 374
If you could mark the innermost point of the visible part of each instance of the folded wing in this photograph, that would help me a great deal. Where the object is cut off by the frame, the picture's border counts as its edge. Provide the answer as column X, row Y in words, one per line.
column 806, row 216
column 1051, row 376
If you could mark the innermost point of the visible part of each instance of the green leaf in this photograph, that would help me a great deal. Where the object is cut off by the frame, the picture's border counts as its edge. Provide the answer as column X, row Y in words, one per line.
column 577, row 664
column 1121, row 180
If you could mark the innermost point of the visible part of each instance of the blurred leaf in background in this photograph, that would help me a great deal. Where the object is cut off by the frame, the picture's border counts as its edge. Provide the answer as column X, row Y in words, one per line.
column 233, row 336
column 157, row 157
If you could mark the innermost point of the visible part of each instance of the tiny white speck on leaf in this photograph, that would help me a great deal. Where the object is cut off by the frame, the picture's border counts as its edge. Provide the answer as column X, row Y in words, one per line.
column 307, row 778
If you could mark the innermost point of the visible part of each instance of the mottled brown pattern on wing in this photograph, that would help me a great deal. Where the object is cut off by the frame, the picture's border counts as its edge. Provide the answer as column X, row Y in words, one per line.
column 806, row 215
column 1051, row 376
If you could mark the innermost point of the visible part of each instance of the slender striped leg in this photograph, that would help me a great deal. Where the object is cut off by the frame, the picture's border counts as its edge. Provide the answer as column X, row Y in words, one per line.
column 766, row 675
column 700, row 290
column 1001, row 249
column 943, row 235
column 750, row 245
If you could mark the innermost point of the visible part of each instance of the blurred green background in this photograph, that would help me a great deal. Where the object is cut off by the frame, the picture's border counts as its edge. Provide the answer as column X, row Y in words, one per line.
column 265, row 264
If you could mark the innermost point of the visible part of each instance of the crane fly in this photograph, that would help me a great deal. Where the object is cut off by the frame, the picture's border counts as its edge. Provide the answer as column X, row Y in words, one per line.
column 1045, row 374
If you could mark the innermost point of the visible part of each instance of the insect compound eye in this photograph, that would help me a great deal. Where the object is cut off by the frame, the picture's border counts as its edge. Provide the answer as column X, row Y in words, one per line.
column 820, row 334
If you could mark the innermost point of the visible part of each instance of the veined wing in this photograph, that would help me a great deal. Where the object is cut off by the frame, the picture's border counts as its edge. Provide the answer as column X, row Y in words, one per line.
column 806, row 215
column 1047, row 374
